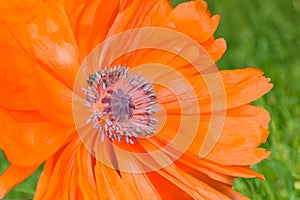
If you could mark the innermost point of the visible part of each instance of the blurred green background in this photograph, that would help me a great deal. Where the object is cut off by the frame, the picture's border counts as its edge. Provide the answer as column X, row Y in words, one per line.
column 262, row 34
column 265, row 34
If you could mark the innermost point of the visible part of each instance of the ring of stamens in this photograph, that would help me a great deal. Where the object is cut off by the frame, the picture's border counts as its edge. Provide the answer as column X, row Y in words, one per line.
column 121, row 106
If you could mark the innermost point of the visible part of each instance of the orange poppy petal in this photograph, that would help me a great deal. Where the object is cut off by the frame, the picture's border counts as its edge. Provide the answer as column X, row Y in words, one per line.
column 12, row 176
column 88, row 178
column 14, row 96
column 183, row 183
column 242, row 86
column 172, row 191
column 22, row 116
column 217, row 171
column 216, row 184
column 223, row 188
column 191, row 185
column 44, row 178
column 229, row 191
column 15, row 67
column 237, row 88
column 199, row 170
column 193, row 18
column 34, row 94
column 61, row 168
column 238, row 143
column 231, row 170
column 85, row 18
column 136, row 15
column 215, row 47
column 159, row 13
column 115, row 183
column 43, row 32
column 26, row 87
column 254, row 113
column 33, row 142
column 180, row 179
column 241, row 134
column 52, row 98
column 116, row 186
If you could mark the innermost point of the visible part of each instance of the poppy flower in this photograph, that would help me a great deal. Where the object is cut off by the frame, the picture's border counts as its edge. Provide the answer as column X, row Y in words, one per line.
column 72, row 98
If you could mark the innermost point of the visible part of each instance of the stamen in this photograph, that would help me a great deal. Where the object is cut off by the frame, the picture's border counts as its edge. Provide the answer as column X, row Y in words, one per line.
column 122, row 106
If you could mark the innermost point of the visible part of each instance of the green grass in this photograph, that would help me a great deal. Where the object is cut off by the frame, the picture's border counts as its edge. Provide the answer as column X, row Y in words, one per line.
column 26, row 189
column 262, row 34
column 265, row 34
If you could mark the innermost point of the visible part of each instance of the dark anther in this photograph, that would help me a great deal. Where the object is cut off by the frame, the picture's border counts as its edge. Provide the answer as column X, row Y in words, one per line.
column 131, row 105
column 106, row 100
column 89, row 82
column 110, row 91
column 92, row 77
column 107, row 109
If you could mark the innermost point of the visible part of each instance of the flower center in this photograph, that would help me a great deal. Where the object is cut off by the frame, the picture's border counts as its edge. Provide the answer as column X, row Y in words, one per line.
column 121, row 106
